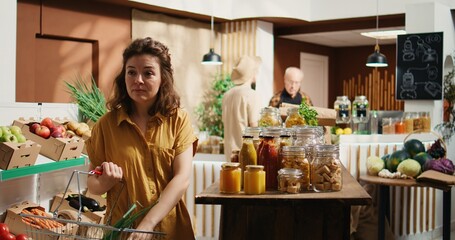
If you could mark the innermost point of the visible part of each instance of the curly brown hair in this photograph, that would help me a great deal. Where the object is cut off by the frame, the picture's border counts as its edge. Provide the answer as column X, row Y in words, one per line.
column 167, row 98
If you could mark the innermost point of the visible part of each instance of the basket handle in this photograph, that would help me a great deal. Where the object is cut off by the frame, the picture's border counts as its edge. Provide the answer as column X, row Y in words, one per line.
column 432, row 132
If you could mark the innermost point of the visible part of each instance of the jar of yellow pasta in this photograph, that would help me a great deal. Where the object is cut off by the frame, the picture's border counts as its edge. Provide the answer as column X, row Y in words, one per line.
column 294, row 118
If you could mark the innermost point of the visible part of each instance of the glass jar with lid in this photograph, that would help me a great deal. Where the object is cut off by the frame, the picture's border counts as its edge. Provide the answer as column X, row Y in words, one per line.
column 254, row 179
column 360, row 110
column 426, row 121
column 270, row 117
column 268, row 156
column 247, row 155
column 235, row 155
column 408, row 122
column 342, row 107
column 294, row 118
column 326, row 170
column 255, row 132
column 230, row 178
column 290, row 180
column 294, row 157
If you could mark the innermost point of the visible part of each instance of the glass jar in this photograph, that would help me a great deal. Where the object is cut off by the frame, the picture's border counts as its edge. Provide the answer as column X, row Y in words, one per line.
column 294, row 118
column 270, row 117
column 230, row 175
column 418, row 123
column 254, row 179
column 268, row 157
column 235, row 156
column 255, row 132
column 374, row 122
column 426, row 121
column 408, row 122
column 290, row 180
column 286, row 137
column 294, row 157
column 360, row 110
column 400, row 127
column 326, row 169
column 342, row 107
column 388, row 126
column 248, row 155
column 308, row 137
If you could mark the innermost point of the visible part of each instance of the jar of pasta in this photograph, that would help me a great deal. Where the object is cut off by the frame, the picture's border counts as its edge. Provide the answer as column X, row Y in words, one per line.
column 294, row 157
column 294, row 118
column 290, row 180
column 254, row 179
column 326, row 169
column 230, row 178
column 426, row 121
column 270, row 117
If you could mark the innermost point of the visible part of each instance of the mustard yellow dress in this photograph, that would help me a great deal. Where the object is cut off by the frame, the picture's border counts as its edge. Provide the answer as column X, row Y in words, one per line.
column 146, row 161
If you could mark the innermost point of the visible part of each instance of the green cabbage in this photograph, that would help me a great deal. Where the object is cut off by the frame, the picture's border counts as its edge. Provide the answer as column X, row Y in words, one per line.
column 374, row 165
column 409, row 167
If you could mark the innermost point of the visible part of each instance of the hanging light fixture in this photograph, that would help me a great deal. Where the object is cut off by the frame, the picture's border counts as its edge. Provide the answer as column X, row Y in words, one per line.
column 377, row 59
column 211, row 58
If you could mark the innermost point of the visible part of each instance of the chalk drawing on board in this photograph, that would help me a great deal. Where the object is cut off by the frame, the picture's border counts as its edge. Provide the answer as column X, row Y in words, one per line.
column 423, row 51
column 409, row 86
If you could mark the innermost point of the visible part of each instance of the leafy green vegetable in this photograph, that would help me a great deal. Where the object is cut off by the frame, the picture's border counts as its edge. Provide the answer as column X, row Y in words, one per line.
column 89, row 99
column 310, row 115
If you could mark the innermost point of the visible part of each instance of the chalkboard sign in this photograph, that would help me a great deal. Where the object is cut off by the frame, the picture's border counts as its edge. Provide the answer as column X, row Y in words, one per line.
column 419, row 66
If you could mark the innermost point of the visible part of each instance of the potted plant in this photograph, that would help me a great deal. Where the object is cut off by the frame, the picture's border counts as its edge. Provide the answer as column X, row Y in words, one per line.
column 447, row 127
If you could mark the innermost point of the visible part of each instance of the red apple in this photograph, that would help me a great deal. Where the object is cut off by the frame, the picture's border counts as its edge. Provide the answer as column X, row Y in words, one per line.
column 33, row 127
column 43, row 132
column 59, row 128
column 56, row 134
column 47, row 122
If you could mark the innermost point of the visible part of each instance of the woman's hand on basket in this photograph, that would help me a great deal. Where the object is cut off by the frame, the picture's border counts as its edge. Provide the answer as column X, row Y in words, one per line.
column 110, row 173
column 145, row 227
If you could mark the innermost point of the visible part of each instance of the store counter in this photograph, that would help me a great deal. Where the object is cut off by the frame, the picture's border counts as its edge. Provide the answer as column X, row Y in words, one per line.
column 275, row 215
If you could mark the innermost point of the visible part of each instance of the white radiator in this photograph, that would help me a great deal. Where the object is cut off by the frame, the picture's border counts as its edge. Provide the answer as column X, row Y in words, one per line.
column 205, row 218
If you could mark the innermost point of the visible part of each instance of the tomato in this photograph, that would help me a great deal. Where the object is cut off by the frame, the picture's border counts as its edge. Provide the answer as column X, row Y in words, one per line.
column 3, row 228
column 21, row 237
column 7, row 236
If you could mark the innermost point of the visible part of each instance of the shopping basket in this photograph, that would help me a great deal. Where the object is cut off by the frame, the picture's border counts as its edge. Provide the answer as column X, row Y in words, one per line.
column 47, row 226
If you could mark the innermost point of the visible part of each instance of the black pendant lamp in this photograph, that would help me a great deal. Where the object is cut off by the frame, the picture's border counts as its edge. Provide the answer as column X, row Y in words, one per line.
column 377, row 59
column 211, row 58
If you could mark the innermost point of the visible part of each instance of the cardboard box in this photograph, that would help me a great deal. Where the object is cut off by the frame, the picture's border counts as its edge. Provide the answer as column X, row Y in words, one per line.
column 18, row 225
column 63, row 206
column 16, row 155
column 57, row 149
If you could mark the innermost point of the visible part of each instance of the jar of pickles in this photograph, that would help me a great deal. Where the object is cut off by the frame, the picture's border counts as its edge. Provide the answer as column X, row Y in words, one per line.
column 294, row 157
column 342, row 107
column 230, row 175
column 360, row 110
column 254, row 179
column 268, row 157
column 270, row 117
column 290, row 180
column 326, row 169
column 247, row 155
column 294, row 118
column 255, row 132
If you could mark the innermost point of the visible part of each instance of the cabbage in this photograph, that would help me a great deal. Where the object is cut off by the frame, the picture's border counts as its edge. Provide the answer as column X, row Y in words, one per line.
column 409, row 167
column 374, row 165
column 443, row 165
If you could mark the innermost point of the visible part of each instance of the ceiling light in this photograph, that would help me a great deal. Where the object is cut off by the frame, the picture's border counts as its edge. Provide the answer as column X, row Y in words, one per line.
column 211, row 58
column 386, row 34
column 376, row 59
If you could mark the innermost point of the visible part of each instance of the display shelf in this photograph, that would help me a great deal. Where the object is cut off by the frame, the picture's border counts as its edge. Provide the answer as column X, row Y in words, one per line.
column 43, row 165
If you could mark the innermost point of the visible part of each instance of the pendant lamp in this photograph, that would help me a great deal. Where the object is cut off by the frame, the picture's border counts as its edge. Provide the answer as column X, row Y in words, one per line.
column 211, row 58
column 377, row 59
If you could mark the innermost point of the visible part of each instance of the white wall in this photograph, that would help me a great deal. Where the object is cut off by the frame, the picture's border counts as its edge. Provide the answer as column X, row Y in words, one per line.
column 8, row 13
column 264, row 49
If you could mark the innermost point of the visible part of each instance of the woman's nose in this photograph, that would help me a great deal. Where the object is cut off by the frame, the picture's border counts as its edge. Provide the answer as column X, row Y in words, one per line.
column 139, row 79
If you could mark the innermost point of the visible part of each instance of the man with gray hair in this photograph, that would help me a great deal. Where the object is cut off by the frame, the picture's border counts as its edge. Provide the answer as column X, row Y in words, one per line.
column 291, row 93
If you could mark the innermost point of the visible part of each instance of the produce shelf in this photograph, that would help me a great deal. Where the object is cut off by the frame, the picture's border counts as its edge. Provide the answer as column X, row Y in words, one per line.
column 46, row 165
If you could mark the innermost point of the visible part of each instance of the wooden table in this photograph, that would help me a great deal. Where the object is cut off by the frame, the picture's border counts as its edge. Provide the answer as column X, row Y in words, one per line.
column 384, row 200
column 276, row 215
